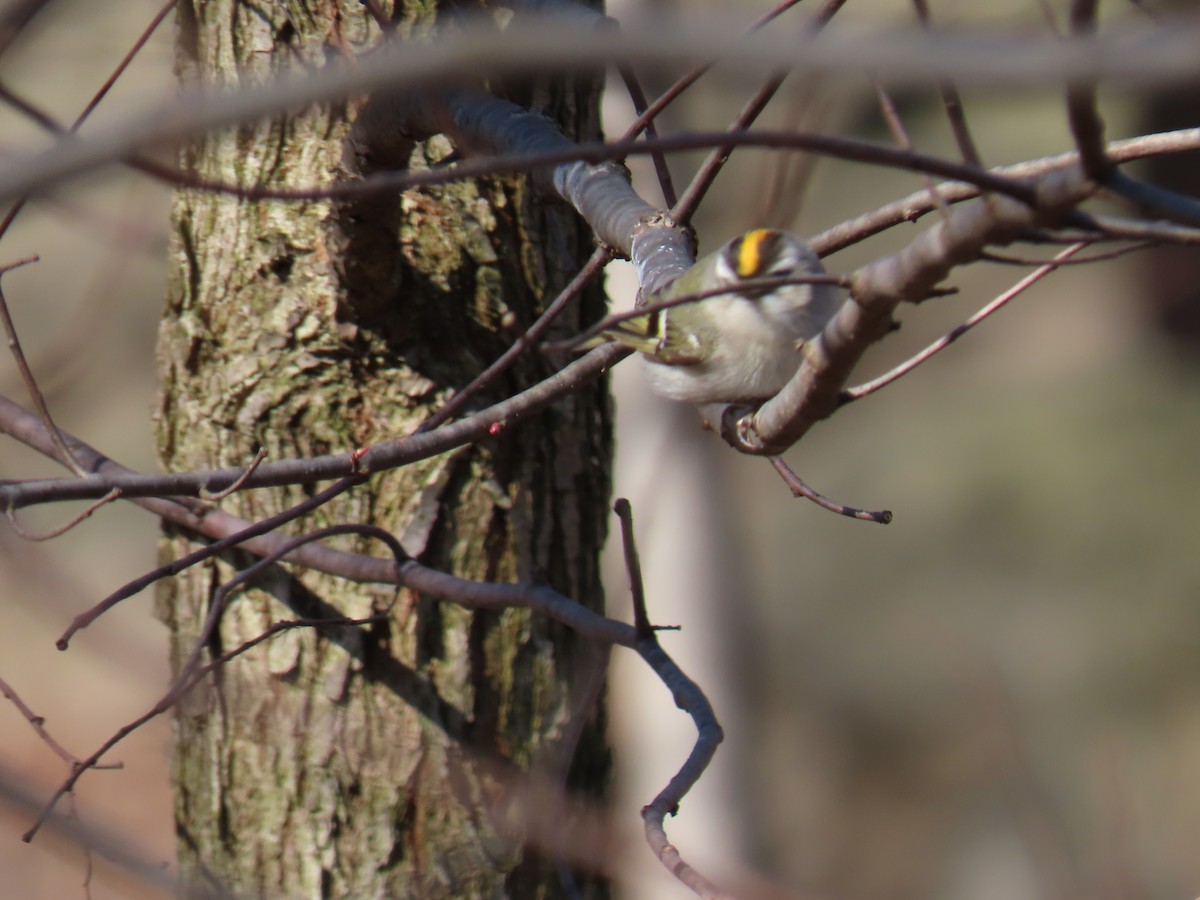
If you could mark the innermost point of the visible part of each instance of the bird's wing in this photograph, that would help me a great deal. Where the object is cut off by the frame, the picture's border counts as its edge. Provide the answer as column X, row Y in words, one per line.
column 655, row 335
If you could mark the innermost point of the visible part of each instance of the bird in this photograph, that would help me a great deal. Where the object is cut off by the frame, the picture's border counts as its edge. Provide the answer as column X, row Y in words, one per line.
column 741, row 346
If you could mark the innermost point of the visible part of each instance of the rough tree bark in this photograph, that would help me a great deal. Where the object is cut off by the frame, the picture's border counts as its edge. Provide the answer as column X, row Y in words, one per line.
column 347, row 762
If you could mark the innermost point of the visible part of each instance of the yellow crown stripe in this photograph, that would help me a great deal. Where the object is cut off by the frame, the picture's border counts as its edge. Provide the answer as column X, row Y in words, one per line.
column 750, row 253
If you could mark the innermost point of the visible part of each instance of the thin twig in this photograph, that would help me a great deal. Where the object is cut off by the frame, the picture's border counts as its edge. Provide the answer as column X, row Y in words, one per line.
column 192, row 673
column 38, row 723
column 696, row 191
column 857, row 393
column 633, row 568
column 91, row 105
column 84, row 619
column 916, row 205
column 688, row 697
column 382, row 456
column 1009, row 259
column 1156, row 200
column 700, row 184
column 217, row 524
column 11, row 515
column 952, row 103
column 1138, row 57
column 849, row 149
column 31, row 385
column 638, row 97
column 692, row 700
column 210, row 496
column 686, row 81
column 1084, row 118
column 892, row 117
column 746, row 285
column 799, row 489
column 595, row 264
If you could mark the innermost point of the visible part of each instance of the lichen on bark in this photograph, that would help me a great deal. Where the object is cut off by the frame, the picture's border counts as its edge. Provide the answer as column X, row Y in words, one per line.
column 346, row 762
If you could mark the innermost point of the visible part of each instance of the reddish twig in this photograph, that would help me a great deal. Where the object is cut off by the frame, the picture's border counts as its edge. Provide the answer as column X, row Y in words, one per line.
column 857, row 393
column 10, row 514
column 799, row 489
column 205, row 494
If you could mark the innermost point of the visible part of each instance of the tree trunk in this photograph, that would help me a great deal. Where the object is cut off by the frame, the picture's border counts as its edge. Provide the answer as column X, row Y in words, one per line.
column 346, row 761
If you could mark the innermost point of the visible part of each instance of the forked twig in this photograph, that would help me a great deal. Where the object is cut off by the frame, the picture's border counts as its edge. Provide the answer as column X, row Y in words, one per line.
column 38, row 723
column 857, row 393
column 688, row 697
column 685, row 208
column 595, row 264
column 192, row 673
column 637, row 96
column 84, row 619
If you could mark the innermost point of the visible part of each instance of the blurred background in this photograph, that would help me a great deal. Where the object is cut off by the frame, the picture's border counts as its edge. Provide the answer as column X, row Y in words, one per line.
column 995, row 696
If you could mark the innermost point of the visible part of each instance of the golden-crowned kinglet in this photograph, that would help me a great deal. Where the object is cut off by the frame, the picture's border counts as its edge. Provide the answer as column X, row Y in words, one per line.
column 740, row 346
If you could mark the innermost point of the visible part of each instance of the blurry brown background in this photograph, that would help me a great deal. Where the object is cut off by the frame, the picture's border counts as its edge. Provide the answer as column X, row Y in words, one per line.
column 998, row 695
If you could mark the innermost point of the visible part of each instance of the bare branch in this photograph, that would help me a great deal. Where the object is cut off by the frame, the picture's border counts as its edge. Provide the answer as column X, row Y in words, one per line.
column 633, row 567
column 1134, row 57
column 84, row 619
column 638, row 97
column 870, row 387
column 31, row 385
column 217, row 524
column 688, row 697
column 1155, row 200
column 892, row 117
column 914, row 206
column 39, row 725
column 800, row 489
column 952, row 102
column 668, row 96
column 753, row 108
column 380, row 457
column 11, row 515
column 691, row 699
column 213, row 496
column 878, row 288
column 593, row 267
column 1086, row 125
column 16, row 792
